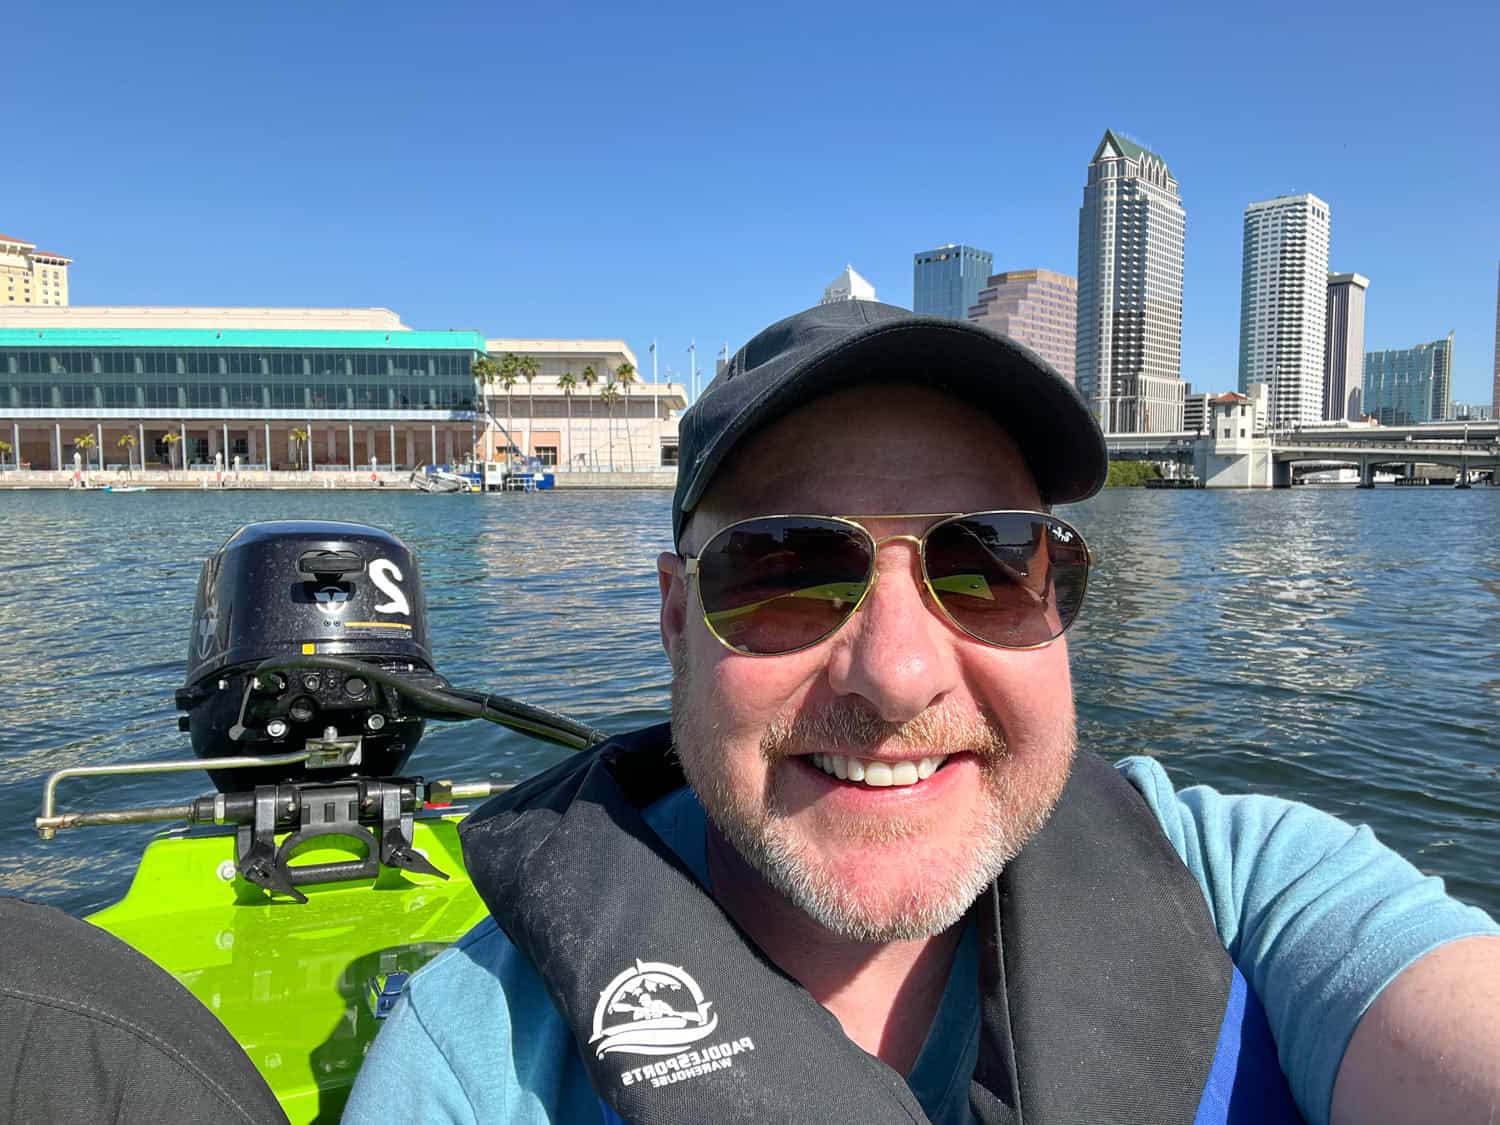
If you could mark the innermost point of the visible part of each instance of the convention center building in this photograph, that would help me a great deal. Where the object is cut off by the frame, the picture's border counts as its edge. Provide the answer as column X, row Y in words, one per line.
column 195, row 388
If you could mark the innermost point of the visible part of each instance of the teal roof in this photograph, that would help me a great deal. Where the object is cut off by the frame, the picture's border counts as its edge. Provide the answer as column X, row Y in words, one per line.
column 1129, row 148
column 258, row 338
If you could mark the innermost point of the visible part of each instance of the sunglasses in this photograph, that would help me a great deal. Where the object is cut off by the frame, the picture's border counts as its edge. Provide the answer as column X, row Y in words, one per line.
column 774, row 585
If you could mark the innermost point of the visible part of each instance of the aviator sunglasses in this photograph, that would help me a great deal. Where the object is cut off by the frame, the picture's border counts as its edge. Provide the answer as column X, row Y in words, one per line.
column 774, row 585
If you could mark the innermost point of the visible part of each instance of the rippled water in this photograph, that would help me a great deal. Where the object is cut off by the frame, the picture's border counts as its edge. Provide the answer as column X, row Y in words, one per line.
column 1331, row 645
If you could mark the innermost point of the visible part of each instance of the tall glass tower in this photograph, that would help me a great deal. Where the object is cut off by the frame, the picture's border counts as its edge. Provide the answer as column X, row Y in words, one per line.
column 1404, row 386
column 1129, row 335
column 946, row 281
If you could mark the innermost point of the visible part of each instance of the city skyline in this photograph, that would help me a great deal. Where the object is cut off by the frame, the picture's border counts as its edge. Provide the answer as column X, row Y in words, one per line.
column 464, row 201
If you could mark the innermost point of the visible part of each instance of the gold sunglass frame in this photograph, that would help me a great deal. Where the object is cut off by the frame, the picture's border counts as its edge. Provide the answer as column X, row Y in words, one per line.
column 691, row 569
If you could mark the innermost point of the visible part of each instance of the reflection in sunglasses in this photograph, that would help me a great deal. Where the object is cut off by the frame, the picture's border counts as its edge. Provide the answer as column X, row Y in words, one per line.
column 835, row 594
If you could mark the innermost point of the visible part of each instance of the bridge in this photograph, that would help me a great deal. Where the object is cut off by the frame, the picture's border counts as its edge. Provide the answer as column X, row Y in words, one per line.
column 1465, row 446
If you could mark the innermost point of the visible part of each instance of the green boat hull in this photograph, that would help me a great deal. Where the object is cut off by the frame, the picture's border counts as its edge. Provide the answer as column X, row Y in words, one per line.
column 292, row 982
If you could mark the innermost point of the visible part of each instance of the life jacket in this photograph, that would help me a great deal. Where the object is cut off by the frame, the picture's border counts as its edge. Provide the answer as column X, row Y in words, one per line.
column 1105, row 994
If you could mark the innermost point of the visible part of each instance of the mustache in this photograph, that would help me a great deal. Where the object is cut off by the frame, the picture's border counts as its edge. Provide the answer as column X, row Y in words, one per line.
column 849, row 728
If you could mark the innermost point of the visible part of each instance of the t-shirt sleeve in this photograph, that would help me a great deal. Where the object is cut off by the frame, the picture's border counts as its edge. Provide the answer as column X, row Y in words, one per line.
column 1319, row 915
column 406, row 1077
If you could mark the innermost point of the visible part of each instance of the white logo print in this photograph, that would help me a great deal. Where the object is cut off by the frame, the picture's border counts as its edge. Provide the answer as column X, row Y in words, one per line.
column 651, row 1009
column 330, row 599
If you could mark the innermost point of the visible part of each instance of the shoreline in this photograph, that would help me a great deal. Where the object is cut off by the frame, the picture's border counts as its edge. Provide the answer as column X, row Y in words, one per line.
column 358, row 480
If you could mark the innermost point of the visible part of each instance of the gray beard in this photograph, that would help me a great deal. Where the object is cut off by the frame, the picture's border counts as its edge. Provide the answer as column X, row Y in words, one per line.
column 1013, row 813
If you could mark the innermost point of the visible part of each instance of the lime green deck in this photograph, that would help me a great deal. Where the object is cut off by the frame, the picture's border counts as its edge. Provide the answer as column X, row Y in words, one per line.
column 289, row 981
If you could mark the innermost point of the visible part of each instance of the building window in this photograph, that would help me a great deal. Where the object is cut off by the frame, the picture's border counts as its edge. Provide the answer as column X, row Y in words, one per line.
column 546, row 455
column 668, row 455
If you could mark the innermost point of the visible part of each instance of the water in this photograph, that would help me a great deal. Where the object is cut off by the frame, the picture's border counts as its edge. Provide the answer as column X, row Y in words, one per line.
column 1329, row 645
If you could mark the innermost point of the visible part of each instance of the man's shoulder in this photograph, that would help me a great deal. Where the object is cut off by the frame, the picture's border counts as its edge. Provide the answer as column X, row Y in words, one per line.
column 463, row 977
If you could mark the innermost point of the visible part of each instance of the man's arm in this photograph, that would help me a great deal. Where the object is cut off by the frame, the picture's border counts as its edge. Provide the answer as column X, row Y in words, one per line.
column 1323, row 920
column 1429, row 1048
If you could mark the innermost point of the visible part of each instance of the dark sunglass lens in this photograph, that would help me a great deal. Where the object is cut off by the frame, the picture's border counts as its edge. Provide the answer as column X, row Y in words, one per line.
column 778, row 584
column 1014, row 579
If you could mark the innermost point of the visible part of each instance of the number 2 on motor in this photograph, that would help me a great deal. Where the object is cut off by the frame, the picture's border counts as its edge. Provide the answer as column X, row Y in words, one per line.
column 385, row 574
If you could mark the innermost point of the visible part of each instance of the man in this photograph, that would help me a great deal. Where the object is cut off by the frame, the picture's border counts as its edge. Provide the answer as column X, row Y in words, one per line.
column 890, row 890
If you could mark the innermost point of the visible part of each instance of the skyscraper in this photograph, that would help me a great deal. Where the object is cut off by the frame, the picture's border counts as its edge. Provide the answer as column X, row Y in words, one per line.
column 848, row 286
column 1404, row 386
column 1037, row 307
column 1284, row 305
column 1129, row 336
column 1344, row 353
column 947, row 280
column 1495, row 400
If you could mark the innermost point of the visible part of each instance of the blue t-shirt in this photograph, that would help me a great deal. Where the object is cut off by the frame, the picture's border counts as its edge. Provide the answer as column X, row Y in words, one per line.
column 1318, row 915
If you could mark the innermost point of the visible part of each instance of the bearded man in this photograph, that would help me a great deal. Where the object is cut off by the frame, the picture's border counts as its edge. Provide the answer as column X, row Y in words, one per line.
column 867, row 875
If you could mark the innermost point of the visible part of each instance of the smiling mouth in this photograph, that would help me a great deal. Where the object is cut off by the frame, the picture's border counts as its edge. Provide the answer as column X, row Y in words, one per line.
column 877, row 774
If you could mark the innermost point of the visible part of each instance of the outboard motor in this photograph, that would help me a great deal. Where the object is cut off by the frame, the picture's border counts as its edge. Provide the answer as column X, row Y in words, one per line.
column 303, row 588
column 309, row 682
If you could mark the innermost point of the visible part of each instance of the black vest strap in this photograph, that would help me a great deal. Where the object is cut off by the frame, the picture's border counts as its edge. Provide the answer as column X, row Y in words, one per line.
column 1102, row 983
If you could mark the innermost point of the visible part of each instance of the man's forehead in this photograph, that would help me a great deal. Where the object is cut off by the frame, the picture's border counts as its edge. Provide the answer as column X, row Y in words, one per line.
column 874, row 450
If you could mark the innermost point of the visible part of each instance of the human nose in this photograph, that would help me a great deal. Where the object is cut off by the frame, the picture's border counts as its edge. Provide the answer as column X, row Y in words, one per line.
column 897, row 654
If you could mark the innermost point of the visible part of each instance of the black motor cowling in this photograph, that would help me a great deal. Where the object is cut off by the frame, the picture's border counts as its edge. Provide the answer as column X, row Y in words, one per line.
column 304, row 589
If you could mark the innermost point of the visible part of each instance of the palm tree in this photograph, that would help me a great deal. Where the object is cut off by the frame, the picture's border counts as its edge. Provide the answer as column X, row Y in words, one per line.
column 485, row 370
column 5, row 448
column 83, row 443
column 527, row 369
column 509, row 375
column 625, row 376
column 568, row 383
column 127, row 442
column 170, row 440
column 590, row 377
column 609, row 396
column 300, row 436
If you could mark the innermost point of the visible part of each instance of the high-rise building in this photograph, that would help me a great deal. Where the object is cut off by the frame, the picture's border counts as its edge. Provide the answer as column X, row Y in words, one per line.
column 1495, row 392
column 1284, row 305
column 1037, row 307
column 29, row 276
column 1404, row 386
column 848, row 286
column 946, row 281
column 1344, row 351
column 1129, row 337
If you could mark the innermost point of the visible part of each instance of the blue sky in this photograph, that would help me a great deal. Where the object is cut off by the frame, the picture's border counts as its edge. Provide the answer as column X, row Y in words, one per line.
column 697, row 171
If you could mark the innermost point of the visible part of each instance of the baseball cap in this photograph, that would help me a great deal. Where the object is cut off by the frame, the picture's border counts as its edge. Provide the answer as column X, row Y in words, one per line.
column 862, row 343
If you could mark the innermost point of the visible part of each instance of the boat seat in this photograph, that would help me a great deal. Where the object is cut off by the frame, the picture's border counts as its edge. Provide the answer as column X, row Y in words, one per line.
column 91, row 1031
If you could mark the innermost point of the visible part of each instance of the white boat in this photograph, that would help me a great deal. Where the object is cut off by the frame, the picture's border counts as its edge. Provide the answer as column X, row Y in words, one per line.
column 425, row 479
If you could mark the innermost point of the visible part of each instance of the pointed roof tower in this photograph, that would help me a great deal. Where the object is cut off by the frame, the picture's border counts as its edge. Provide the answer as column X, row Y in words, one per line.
column 848, row 286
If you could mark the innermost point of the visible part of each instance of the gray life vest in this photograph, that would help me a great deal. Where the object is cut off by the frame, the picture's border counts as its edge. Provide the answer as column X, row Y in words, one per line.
column 1105, row 994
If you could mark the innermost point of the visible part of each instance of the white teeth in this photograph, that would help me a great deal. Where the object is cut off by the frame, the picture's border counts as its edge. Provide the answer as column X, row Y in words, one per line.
column 878, row 773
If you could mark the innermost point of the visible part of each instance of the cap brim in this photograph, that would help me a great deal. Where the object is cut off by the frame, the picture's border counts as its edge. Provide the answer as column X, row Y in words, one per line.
column 1063, row 446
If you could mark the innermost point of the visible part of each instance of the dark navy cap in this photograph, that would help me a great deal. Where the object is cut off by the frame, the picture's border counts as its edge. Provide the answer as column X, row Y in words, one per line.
column 863, row 343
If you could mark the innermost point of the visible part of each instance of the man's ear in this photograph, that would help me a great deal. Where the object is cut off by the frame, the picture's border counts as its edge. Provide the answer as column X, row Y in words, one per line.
column 672, row 582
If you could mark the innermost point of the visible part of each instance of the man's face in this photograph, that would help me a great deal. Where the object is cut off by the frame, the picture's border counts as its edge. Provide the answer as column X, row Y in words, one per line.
column 897, row 683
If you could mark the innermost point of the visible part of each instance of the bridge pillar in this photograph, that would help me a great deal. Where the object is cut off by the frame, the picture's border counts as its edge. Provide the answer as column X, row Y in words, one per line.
column 1281, row 474
column 1366, row 474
